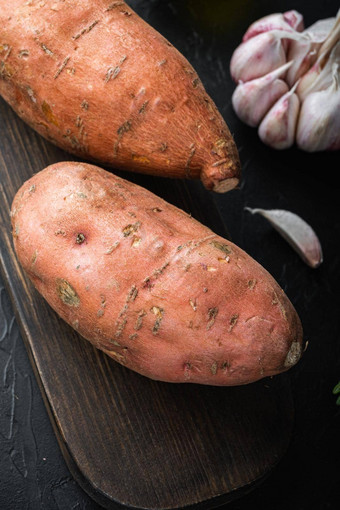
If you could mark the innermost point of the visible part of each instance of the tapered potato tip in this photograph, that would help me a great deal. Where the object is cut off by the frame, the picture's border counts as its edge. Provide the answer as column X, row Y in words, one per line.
column 224, row 174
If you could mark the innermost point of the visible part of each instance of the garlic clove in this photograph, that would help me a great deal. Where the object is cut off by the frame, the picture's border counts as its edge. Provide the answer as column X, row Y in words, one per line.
column 296, row 232
column 319, row 122
column 260, row 55
column 251, row 103
column 278, row 127
column 251, row 100
column 277, row 21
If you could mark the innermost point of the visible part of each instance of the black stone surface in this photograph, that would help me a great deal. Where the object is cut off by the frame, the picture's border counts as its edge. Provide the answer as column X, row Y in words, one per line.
column 33, row 474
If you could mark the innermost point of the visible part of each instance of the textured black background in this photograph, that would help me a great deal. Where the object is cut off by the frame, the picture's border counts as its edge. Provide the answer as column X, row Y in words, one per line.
column 33, row 474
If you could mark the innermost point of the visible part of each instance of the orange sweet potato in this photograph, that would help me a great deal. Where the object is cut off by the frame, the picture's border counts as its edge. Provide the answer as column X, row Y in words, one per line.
column 148, row 284
column 98, row 81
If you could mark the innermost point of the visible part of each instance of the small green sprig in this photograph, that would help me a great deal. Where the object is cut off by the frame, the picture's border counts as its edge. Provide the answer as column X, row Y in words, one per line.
column 336, row 391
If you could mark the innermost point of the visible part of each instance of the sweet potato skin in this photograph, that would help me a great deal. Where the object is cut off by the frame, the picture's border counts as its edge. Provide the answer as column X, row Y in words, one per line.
column 95, row 79
column 149, row 285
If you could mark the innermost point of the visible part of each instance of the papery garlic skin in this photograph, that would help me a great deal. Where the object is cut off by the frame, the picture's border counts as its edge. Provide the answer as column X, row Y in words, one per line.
column 251, row 100
column 303, row 56
column 319, row 30
column 319, row 121
column 304, row 53
column 319, row 76
column 278, row 127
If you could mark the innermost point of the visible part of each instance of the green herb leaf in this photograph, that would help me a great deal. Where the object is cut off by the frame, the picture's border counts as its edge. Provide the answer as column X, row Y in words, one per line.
column 336, row 390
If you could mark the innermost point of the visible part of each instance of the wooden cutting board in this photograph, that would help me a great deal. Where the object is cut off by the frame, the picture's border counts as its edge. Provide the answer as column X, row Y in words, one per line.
column 129, row 441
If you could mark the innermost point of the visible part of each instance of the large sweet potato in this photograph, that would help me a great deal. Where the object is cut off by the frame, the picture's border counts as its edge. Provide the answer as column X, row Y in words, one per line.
column 98, row 81
column 148, row 284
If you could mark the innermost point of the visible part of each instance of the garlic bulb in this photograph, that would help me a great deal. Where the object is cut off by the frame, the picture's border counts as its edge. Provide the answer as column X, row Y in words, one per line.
column 288, row 81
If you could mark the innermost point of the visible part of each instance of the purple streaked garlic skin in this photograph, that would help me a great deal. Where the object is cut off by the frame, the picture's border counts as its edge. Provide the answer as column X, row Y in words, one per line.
column 256, row 57
column 251, row 103
column 294, row 19
column 261, row 54
column 278, row 128
column 294, row 106
column 288, row 21
column 251, row 100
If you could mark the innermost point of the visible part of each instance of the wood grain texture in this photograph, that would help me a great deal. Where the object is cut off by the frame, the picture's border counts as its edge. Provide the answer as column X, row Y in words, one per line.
column 129, row 441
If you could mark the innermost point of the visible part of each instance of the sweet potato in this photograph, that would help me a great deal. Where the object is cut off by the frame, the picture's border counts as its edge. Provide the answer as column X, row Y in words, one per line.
column 98, row 81
column 148, row 284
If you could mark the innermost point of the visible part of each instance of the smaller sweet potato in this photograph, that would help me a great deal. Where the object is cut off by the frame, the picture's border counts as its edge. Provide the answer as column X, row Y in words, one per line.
column 149, row 285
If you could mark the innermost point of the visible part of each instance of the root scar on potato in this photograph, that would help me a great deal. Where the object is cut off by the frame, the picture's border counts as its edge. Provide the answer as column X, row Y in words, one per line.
column 80, row 238
column 67, row 293
column 212, row 314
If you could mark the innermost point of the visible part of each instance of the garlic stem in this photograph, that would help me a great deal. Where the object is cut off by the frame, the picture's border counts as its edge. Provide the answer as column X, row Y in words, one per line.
column 327, row 55
column 251, row 100
column 304, row 53
column 332, row 38
column 319, row 77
